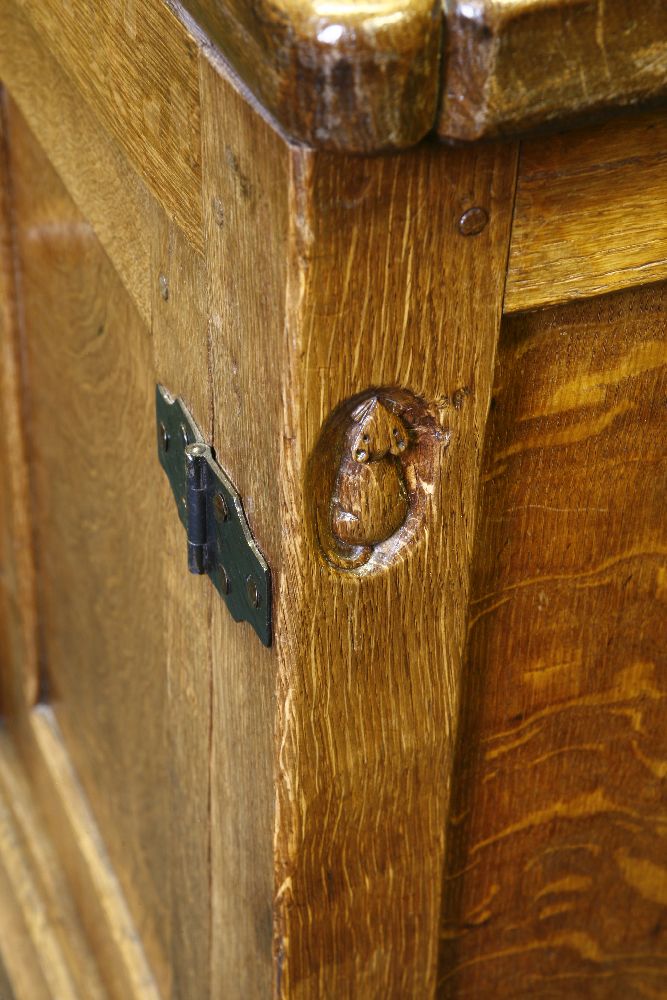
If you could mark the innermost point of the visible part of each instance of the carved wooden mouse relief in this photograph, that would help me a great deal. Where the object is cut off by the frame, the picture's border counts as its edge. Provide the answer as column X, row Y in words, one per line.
column 369, row 501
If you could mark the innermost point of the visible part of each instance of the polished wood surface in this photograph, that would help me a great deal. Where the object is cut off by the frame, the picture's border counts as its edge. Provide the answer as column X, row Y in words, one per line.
column 240, row 821
column 591, row 212
column 88, row 363
column 556, row 881
column 178, row 304
column 109, row 927
column 43, row 943
column 511, row 65
column 370, row 658
column 349, row 75
column 354, row 77
column 136, row 66
column 246, row 197
column 19, row 680
column 89, row 161
column 363, row 77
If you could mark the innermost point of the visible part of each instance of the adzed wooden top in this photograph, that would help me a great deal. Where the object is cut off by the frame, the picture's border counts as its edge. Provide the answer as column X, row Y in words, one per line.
column 365, row 75
column 358, row 75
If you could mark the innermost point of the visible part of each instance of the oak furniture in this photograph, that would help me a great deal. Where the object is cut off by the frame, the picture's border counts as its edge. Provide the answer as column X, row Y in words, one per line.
column 358, row 310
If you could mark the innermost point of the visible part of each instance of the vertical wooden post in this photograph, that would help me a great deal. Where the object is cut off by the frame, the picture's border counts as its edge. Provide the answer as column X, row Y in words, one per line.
column 347, row 293
column 388, row 298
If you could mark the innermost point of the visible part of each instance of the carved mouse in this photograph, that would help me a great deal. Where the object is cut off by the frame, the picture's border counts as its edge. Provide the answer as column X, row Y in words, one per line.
column 370, row 499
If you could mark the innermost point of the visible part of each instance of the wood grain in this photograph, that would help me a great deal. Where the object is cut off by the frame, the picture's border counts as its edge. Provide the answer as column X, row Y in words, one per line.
column 136, row 65
column 590, row 213
column 510, row 65
column 19, row 670
column 181, row 358
column 109, row 926
column 89, row 162
column 556, row 880
column 353, row 77
column 5, row 985
column 37, row 913
column 349, row 76
column 379, row 295
column 89, row 372
column 245, row 196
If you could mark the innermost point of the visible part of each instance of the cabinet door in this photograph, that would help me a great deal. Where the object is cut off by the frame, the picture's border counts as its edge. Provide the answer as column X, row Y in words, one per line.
column 119, row 684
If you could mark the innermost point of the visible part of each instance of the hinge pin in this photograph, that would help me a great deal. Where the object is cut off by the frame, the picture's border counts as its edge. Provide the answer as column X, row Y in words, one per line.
column 195, row 474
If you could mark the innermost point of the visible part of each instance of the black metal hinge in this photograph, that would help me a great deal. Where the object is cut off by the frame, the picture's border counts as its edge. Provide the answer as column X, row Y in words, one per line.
column 219, row 540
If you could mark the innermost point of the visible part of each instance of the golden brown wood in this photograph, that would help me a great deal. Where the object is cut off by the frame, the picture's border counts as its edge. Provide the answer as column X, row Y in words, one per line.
column 90, row 376
column 556, row 880
column 359, row 77
column 294, row 797
column 369, row 659
column 344, row 868
column 363, row 77
column 181, row 348
column 107, row 922
column 348, row 76
column 136, row 65
column 509, row 65
column 90, row 163
column 19, row 675
column 245, row 197
column 5, row 985
column 22, row 968
column 590, row 213
column 37, row 915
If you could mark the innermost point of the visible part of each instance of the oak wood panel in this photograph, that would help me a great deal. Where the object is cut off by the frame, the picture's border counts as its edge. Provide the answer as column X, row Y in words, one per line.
column 90, row 163
column 383, row 291
column 19, row 672
column 245, row 195
column 590, row 213
column 509, row 65
column 90, row 376
column 67, row 820
column 37, row 913
column 136, row 65
column 21, row 966
column 350, row 76
column 5, row 985
column 105, row 917
column 556, row 879
column 181, row 349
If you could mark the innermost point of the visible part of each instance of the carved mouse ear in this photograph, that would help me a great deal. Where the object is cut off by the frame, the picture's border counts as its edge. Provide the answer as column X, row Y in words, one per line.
column 364, row 410
column 399, row 438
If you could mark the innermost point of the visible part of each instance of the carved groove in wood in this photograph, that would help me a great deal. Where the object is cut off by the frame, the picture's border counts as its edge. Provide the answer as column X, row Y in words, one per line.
column 370, row 477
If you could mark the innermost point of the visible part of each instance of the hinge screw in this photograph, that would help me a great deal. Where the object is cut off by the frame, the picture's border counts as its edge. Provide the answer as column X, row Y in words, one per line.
column 252, row 592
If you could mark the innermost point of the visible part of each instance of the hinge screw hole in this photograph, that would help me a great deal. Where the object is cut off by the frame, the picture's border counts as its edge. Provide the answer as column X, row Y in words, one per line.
column 220, row 507
column 252, row 592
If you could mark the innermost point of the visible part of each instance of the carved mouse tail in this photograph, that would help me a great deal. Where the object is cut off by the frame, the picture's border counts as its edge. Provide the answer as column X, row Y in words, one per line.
column 349, row 556
column 336, row 552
